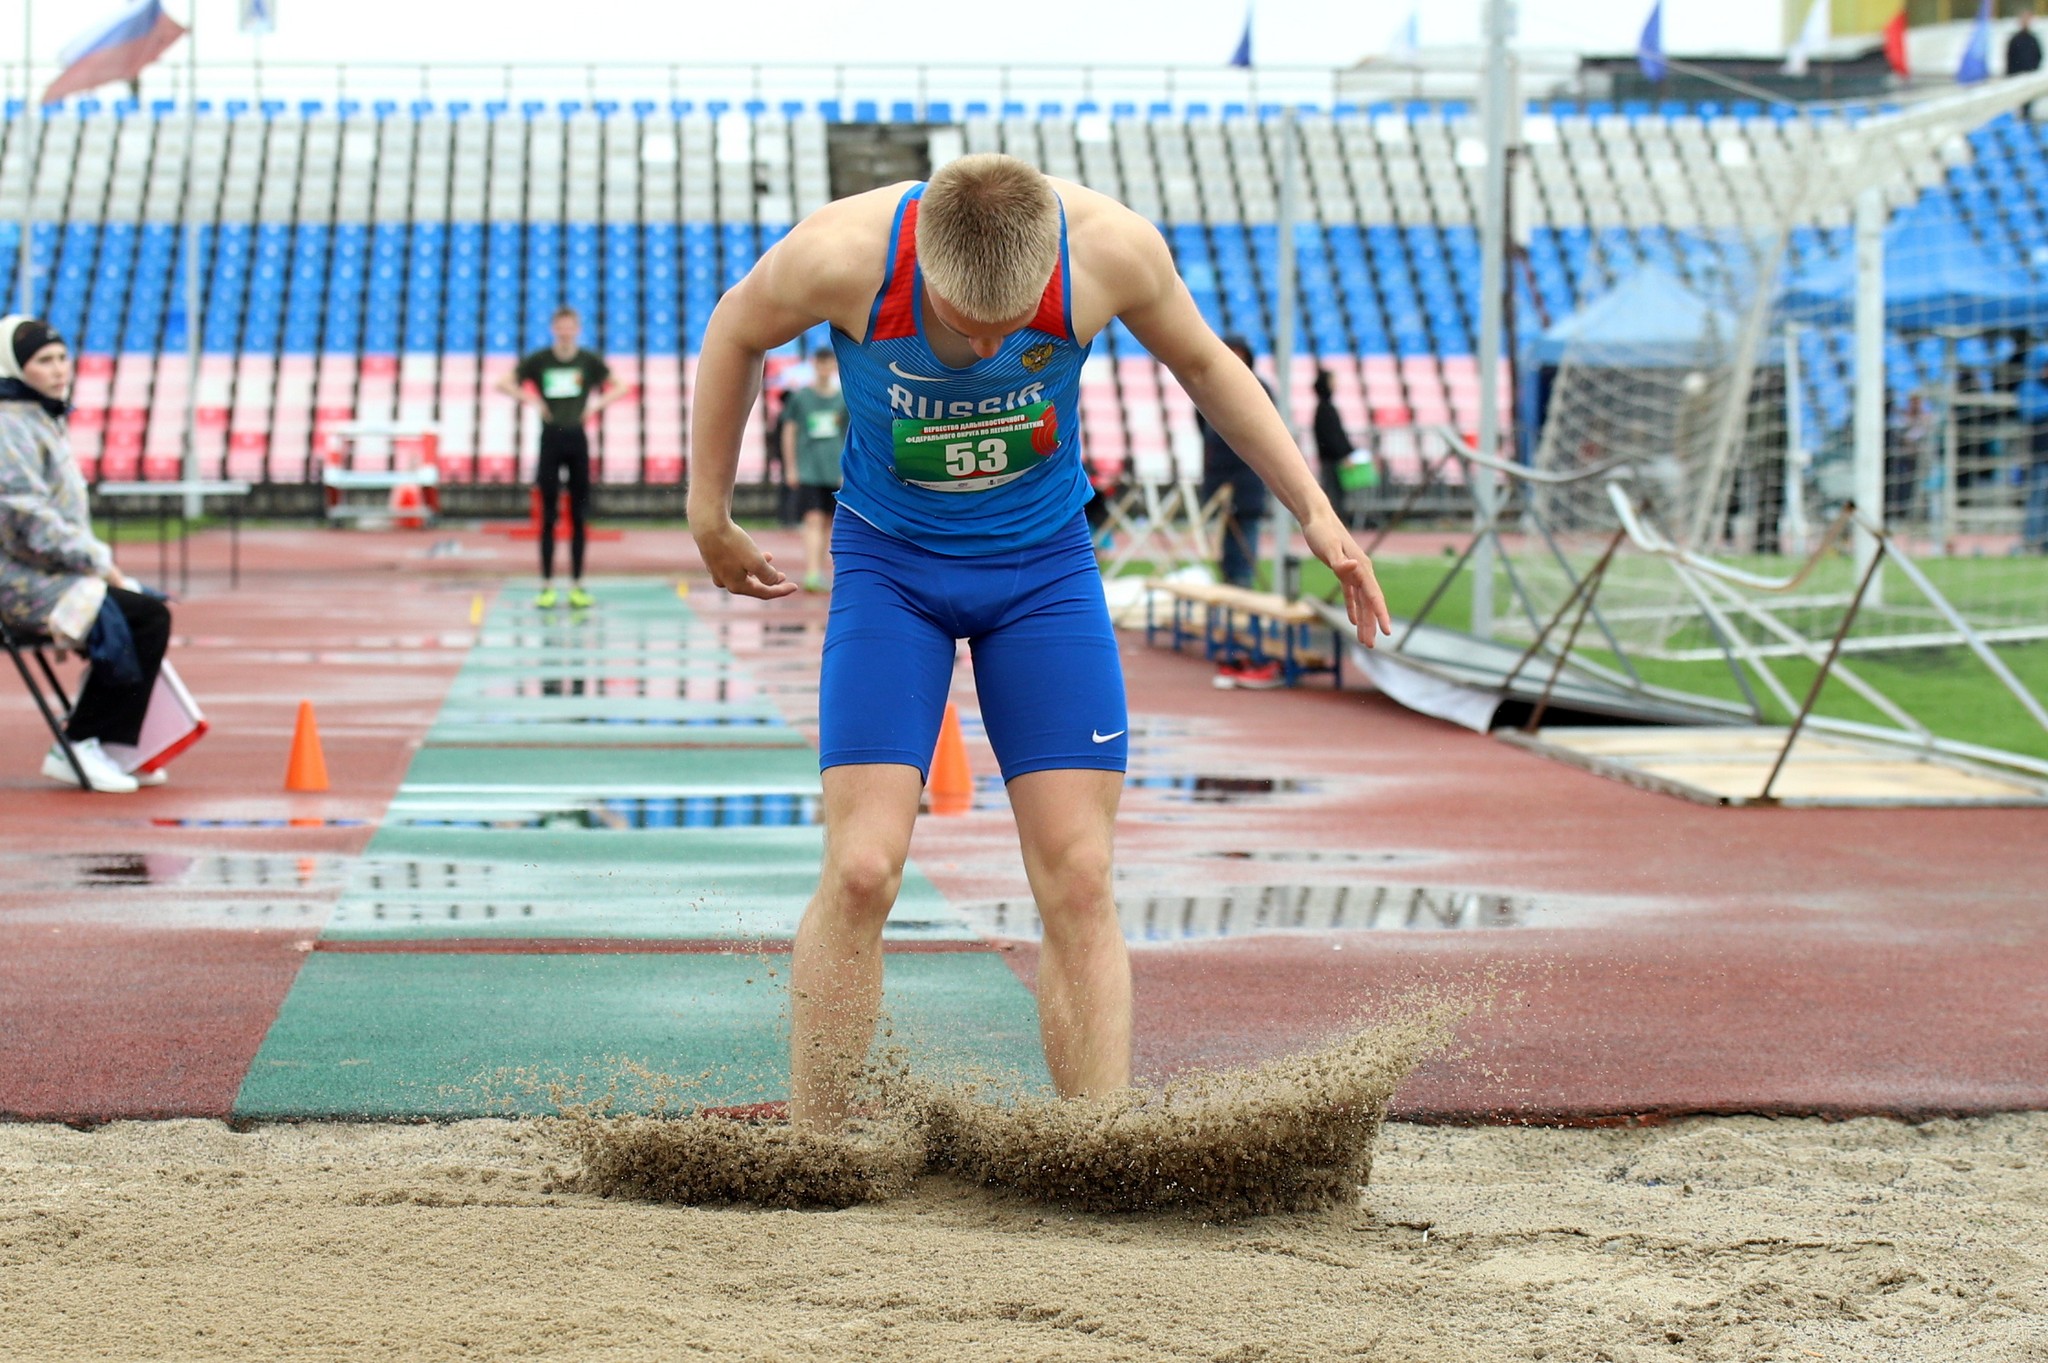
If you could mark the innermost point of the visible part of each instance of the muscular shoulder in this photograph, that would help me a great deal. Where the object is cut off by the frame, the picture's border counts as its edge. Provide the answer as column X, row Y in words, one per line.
column 831, row 264
column 1119, row 259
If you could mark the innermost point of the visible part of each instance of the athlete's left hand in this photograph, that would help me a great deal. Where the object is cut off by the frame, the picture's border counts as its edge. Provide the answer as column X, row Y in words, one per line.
column 1329, row 541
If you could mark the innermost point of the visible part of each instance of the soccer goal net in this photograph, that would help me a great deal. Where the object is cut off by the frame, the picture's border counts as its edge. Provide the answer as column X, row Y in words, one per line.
column 1724, row 369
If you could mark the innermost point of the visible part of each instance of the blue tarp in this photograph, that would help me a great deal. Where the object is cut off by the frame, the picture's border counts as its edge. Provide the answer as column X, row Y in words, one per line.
column 1935, row 275
column 1650, row 320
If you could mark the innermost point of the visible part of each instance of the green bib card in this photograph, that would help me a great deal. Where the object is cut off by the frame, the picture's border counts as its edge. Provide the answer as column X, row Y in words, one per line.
column 974, row 454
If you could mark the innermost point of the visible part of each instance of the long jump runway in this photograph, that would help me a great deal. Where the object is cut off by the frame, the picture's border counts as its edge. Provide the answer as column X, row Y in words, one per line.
column 561, row 848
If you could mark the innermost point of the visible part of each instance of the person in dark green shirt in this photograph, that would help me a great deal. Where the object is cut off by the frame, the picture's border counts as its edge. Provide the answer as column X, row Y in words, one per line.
column 813, row 438
column 567, row 385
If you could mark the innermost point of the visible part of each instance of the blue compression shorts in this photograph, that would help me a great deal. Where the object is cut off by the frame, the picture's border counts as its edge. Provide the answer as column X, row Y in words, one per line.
column 1045, row 654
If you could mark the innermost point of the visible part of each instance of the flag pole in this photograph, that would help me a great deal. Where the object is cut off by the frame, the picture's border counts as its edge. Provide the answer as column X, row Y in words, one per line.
column 1493, row 249
column 1284, row 292
column 24, row 278
column 189, row 470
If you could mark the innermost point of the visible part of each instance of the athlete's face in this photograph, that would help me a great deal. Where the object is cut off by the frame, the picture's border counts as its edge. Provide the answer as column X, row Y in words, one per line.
column 568, row 331
column 983, row 338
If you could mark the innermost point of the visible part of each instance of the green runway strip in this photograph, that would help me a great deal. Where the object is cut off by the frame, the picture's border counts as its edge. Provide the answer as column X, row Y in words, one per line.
column 587, row 733
column 440, row 1035
column 528, row 818
column 610, row 770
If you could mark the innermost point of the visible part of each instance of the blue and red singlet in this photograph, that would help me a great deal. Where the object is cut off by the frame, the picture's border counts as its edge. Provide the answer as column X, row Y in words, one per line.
column 962, row 461
column 966, row 488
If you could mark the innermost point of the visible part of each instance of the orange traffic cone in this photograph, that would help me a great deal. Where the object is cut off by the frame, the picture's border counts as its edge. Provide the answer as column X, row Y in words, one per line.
column 952, row 780
column 308, row 768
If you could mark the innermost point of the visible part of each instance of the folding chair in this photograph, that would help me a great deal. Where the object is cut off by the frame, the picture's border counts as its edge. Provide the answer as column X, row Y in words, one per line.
column 38, row 646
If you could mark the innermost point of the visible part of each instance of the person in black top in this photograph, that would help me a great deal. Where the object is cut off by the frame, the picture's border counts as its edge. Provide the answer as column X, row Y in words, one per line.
column 2023, row 54
column 568, row 385
column 1224, row 467
column 1333, row 442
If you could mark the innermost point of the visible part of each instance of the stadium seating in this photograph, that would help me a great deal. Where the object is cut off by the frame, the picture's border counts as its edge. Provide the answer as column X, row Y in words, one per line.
column 389, row 262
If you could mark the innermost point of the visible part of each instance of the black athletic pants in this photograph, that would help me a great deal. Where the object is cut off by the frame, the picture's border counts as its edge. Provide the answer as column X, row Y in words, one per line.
column 112, row 713
column 564, row 452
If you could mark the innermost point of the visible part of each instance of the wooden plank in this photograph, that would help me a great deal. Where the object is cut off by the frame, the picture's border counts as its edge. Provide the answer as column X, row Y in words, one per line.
column 1267, row 604
column 1729, row 765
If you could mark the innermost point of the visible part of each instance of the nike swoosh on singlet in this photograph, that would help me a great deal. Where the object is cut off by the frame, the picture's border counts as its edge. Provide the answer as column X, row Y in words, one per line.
column 921, row 378
column 1100, row 737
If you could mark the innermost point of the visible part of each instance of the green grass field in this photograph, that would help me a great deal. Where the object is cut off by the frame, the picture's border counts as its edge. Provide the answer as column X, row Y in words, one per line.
column 1947, row 689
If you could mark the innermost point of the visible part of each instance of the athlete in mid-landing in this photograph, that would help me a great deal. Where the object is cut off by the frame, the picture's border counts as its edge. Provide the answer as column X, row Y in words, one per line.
column 961, row 310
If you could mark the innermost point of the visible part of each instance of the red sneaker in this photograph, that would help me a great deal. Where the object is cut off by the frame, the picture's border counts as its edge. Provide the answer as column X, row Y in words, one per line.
column 1227, row 673
column 1260, row 677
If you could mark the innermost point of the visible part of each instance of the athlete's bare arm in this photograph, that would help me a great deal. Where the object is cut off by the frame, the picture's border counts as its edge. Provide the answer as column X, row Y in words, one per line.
column 1123, row 269
column 828, row 269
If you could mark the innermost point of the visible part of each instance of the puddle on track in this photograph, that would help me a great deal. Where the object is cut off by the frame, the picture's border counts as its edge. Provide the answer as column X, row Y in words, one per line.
column 773, row 810
column 1251, row 910
column 628, row 721
column 212, row 872
column 721, row 690
column 1174, row 788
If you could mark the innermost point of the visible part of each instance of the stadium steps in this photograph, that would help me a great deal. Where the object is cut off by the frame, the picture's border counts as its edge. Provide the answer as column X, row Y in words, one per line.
column 391, row 261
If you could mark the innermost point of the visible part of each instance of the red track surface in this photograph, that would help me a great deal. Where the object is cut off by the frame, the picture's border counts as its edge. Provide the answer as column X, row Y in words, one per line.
column 1689, row 959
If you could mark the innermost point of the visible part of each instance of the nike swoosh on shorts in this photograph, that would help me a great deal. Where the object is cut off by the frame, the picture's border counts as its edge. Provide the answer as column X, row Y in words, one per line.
column 906, row 374
column 1104, row 738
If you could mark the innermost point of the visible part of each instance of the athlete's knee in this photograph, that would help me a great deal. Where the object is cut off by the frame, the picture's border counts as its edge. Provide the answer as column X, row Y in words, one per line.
column 1073, row 888
column 860, row 883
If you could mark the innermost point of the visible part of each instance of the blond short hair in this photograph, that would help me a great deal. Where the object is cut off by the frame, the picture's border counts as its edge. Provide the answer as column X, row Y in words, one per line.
column 988, row 235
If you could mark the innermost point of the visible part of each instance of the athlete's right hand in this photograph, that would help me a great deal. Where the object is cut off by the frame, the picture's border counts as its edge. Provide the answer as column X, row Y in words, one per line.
column 737, row 564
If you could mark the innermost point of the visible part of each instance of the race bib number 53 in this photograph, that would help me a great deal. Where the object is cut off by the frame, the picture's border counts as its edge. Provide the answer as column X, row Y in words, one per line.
column 974, row 454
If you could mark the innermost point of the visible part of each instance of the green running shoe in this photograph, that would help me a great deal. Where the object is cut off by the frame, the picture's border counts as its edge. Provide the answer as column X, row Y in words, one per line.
column 580, row 600
column 547, row 599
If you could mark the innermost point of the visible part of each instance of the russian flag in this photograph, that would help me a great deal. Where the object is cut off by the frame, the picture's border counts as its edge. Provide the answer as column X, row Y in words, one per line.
column 117, row 50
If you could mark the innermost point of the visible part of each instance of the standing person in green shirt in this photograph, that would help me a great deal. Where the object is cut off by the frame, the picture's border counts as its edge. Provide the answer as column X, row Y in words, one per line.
column 567, row 385
column 813, row 437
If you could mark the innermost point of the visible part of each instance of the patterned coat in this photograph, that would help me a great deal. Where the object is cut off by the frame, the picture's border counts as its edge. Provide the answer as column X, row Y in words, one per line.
column 46, row 539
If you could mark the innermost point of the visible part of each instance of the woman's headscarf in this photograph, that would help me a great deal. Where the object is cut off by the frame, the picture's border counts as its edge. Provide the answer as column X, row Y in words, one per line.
column 20, row 338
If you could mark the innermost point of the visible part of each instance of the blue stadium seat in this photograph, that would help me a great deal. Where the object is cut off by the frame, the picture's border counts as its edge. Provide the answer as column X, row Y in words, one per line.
column 113, row 273
column 148, row 285
column 231, row 245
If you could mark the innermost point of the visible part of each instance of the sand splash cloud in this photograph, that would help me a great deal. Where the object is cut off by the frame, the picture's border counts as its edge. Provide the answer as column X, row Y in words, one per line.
column 1292, row 1135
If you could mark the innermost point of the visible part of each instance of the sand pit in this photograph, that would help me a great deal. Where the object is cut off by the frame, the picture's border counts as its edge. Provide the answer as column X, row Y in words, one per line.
column 1740, row 1239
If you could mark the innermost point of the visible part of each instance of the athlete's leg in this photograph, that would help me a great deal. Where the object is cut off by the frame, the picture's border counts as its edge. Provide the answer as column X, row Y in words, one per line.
column 888, row 664
column 549, row 480
column 816, row 526
column 1066, row 821
column 578, row 467
column 1052, row 700
column 836, row 965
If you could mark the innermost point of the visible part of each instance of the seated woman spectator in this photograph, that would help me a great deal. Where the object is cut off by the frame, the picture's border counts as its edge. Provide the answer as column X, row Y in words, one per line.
column 56, row 577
